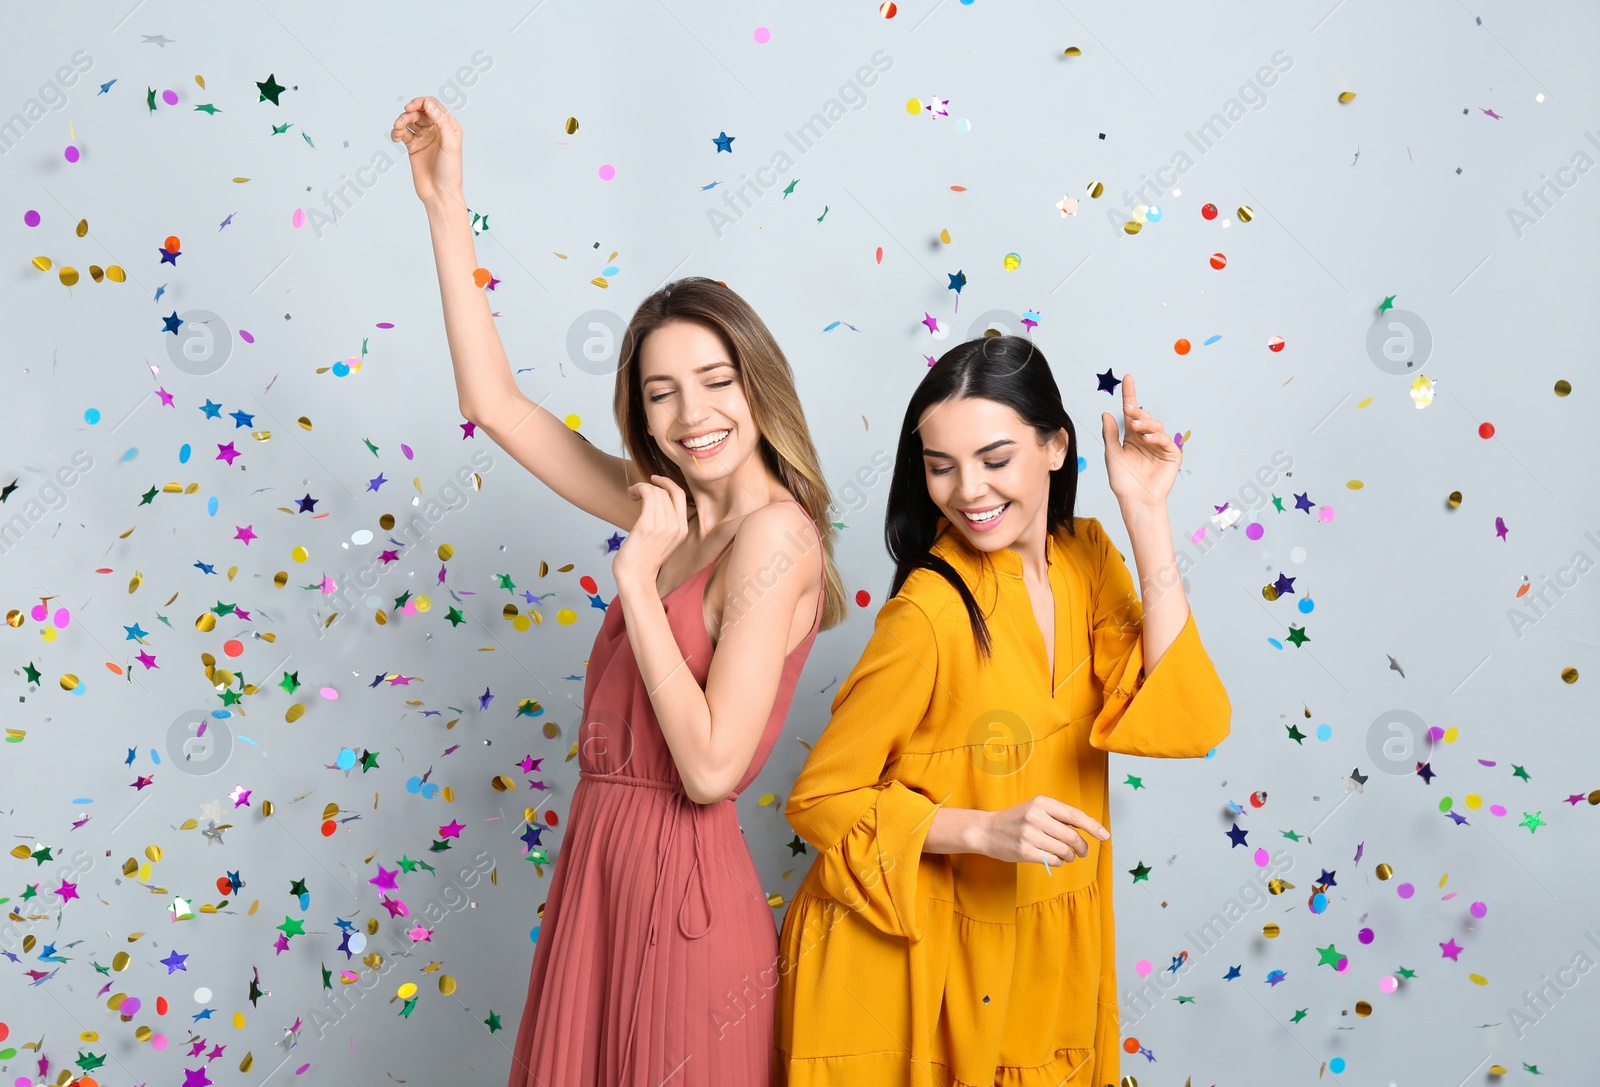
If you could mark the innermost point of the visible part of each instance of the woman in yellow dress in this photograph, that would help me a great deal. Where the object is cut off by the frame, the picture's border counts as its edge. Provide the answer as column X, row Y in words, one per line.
column 955, row 929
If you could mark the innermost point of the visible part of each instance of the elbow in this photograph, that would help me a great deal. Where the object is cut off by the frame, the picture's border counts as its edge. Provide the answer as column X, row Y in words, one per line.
column 709, row 788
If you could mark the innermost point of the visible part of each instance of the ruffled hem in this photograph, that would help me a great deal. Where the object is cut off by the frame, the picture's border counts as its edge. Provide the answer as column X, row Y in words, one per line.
column 1070, row 1068
column 863, row 1007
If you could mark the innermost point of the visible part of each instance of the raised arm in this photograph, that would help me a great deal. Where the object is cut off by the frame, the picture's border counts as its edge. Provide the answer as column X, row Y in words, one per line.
column 566, row 462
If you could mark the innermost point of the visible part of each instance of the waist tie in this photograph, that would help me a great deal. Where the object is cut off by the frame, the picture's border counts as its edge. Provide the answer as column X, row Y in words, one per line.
column 697, row 876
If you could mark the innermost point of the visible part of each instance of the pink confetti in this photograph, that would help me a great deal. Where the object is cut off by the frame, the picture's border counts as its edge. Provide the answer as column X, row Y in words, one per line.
column 406, row 449
column 30, row 218
column 607, row 172
column 385, row 324
column 330, row 694
column 72, row 153
column 298, row 219
column 762, row 35
column 170, row 97
column 246, row 337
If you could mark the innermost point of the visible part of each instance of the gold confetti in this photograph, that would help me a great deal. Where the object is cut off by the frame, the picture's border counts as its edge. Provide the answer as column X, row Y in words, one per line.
column 1072, row 51
column 572, row 126
column 1347, row 96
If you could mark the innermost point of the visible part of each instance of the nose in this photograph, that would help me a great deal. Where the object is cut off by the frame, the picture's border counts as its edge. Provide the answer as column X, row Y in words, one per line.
column 970, row 489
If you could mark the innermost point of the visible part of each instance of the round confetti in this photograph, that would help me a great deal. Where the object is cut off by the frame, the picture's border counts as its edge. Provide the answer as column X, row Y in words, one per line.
column 92, row 416
column 233, row 647
column 1182, row 347
column 863, row 598
column 298, row 219
column 1209, row 211
column 1485, row 430
column 1012, row 262
column 762, row 35
column 887, row 11
column 1219, row 261
column 72, row 154
column 29, row 218
column 608, row 172
column 1563, row 387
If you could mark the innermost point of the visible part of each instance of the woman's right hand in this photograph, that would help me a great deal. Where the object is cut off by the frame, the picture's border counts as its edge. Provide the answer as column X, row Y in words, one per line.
column 433, row 144
column 1034, row 829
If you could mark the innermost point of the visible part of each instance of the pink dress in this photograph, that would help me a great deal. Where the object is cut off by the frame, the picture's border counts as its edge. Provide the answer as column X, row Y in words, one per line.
column 656, row 936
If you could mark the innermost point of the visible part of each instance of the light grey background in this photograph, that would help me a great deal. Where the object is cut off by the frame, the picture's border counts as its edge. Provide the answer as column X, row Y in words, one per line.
column 1424, row 213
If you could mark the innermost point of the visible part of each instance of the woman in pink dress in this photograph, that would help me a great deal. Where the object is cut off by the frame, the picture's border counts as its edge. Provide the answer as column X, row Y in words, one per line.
column 656, row 934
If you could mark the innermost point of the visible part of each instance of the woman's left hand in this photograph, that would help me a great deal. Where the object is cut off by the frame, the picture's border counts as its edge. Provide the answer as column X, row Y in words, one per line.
column 1143, row 466
column 662, row 525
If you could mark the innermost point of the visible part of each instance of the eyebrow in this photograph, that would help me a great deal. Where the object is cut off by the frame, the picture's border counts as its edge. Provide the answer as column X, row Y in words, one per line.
column 698, row 370
column 977, row 453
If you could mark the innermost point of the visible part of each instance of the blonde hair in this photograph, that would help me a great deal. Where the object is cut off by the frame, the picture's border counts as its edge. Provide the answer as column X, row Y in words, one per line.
column 768, row 382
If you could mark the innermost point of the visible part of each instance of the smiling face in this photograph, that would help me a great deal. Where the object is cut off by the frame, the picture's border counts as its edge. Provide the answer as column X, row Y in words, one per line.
column 987, row 471
column 694, row 402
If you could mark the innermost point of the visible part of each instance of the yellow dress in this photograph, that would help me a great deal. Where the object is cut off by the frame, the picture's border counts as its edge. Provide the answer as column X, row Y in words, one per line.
column 903, row 969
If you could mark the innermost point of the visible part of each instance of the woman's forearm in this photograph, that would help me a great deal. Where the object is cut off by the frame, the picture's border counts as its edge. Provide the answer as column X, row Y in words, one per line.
column 955, row 830
column 484, row 382
column 1160, row 583
column 678, row 700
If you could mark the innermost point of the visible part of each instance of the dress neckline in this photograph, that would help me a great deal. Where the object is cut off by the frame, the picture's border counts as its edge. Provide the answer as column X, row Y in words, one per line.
column 821, row 594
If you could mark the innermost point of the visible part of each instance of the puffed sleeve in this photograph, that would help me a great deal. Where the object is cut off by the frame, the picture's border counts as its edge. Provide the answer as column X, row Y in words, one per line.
column 869, row 834
column 1181, row 710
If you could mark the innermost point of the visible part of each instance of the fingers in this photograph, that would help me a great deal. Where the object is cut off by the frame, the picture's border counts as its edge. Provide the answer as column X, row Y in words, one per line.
column 1072, row 817
column 1060, row 840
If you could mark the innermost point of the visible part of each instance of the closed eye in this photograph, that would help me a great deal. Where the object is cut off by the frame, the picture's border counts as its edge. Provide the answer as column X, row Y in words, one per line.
column 656, row 399
column 986, row 464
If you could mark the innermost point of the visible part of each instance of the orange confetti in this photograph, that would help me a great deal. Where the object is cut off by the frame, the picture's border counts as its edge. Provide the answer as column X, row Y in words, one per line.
column 481, row 277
